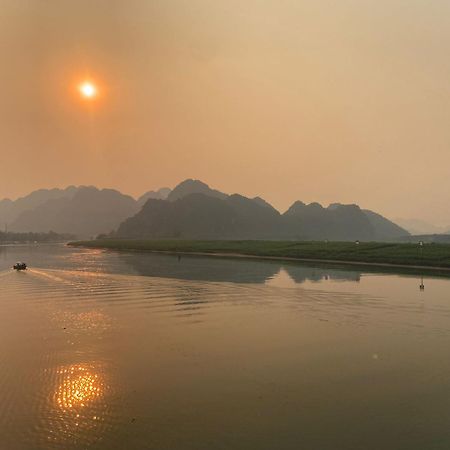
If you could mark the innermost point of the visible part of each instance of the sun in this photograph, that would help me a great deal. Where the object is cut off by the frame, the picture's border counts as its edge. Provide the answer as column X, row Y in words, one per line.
column 88, row 90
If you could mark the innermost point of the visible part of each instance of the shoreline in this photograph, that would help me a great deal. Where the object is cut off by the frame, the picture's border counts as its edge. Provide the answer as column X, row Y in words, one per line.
column 237, row 255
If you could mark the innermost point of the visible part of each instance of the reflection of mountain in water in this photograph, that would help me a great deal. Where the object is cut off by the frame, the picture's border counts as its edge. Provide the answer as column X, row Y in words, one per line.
column 189, row 267
column 202, row 268
column 300, row 274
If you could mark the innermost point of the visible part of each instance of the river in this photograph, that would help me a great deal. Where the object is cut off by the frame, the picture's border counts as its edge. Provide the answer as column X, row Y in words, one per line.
column 110, row 350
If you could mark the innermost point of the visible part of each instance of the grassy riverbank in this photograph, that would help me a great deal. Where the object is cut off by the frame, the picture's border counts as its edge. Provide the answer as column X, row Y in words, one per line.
column 409, row 254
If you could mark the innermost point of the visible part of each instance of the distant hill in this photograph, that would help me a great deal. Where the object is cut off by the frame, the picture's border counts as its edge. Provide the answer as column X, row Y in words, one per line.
column 338, row 222
column 192, row 210
column 83, row 211
column 419, row 227
column 200, row 216
column 194, row 187
column 10, row 210
column 160, row 194
column 195, row 211
column 384, row 228
column 87, row 213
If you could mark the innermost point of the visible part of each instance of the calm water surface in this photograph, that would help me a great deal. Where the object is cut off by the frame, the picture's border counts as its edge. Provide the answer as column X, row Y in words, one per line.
column 104, row 350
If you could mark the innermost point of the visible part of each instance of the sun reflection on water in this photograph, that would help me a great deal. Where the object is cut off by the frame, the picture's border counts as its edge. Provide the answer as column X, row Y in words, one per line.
column 82, row 414
column 79, row 387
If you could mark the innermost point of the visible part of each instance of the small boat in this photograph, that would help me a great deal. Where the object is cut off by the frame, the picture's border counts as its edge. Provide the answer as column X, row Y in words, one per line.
column 20, row 266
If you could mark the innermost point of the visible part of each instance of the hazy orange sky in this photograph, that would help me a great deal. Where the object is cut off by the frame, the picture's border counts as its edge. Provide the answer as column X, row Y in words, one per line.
column 315, row 100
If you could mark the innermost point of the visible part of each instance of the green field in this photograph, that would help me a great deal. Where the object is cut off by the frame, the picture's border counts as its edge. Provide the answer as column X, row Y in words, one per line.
column 404, row 254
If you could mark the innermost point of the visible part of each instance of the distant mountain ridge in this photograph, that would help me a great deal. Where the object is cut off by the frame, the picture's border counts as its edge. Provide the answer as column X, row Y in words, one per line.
column 10, row 210
column 420, row 227
column 84, row 211
column 195, row 211
column 191, row 186
column 160, row 194
column 192, row 210
column 89, row 212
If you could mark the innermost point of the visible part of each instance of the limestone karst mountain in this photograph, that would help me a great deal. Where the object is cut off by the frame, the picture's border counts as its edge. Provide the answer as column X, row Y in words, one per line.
column 195, row 211
column 10, row 210
column 89, row 212
column 160, row 194
column 192, row 210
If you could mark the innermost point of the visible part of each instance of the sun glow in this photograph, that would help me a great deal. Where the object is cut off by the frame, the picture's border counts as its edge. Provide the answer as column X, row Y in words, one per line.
column 88, row 90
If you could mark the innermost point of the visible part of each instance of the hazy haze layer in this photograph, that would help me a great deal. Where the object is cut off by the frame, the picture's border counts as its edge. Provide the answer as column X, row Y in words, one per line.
column 323, row 101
